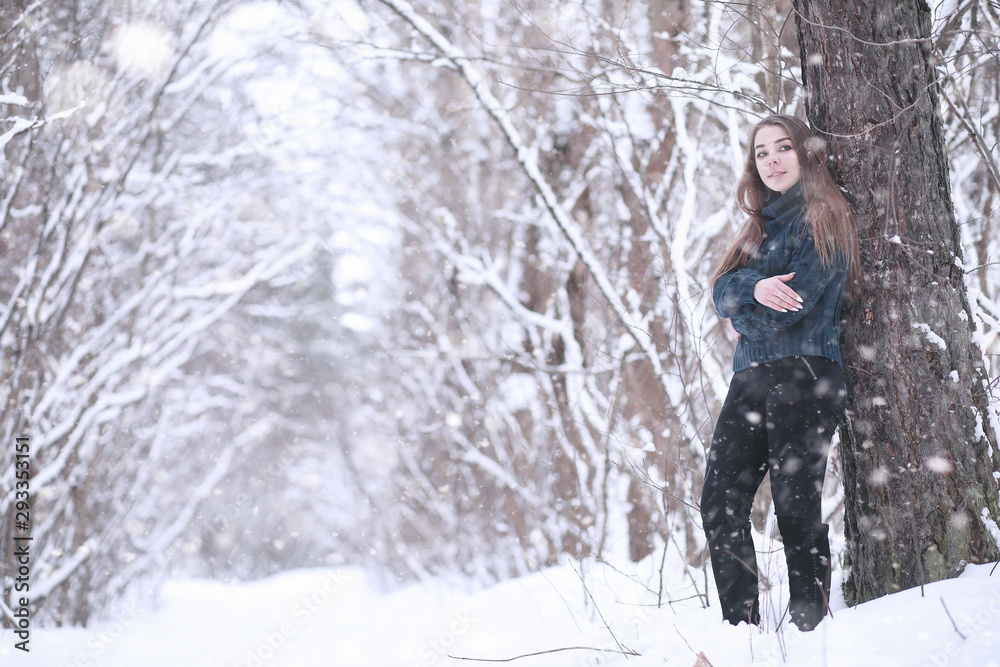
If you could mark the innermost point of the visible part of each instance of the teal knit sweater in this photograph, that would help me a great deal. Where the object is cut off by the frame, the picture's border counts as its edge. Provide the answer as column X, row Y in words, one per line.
column 788, row 247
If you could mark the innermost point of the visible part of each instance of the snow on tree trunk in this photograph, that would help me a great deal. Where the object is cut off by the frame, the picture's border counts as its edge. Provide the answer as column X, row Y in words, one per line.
column 919, row 449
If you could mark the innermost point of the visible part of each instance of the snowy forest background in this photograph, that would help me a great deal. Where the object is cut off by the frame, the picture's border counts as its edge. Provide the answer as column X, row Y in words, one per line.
column 321, row 281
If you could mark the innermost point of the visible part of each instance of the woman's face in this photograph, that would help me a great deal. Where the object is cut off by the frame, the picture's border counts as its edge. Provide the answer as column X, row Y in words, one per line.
column 777, row 161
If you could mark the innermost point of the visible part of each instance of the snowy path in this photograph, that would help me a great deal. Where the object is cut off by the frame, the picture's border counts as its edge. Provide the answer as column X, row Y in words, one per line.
column 336, row 618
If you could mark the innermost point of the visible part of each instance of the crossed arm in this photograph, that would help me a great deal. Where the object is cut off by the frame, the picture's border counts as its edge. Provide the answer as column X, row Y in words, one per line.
column 760, row 306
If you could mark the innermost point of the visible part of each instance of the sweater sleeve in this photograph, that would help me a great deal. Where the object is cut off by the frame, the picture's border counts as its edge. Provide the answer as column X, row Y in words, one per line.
column 734, row 290
column 811, row 281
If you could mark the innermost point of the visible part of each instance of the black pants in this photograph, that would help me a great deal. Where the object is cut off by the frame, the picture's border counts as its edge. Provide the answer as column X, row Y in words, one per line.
column 778, row 417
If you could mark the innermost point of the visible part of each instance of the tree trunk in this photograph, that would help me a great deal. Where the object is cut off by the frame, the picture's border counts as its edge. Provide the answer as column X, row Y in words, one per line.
column 919, row 450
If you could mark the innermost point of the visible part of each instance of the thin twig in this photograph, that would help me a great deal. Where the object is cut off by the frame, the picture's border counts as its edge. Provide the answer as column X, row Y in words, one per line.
column 964, row 118
column 598, row 609
column 951, row 619
column 551, row 650
column 684, row 639
column 663, row 564
column 853, row 37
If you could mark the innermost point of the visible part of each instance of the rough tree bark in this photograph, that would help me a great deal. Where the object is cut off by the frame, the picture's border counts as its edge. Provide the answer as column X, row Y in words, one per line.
column 919, row 450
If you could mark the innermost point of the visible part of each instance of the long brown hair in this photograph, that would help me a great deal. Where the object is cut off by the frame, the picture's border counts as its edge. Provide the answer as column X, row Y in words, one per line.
column 827, row 210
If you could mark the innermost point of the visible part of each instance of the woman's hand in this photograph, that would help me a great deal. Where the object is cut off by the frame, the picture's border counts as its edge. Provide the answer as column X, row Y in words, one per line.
column 731, row 330
column 774, row 293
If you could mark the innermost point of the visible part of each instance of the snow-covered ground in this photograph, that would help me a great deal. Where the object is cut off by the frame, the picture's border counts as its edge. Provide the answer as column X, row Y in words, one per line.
column 338, row 617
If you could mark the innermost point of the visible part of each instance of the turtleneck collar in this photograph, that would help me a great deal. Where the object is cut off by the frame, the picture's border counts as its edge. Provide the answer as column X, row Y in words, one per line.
column 784, row 209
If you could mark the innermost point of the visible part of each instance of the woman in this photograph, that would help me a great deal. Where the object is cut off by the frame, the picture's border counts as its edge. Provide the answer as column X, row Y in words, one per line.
column 781, row 286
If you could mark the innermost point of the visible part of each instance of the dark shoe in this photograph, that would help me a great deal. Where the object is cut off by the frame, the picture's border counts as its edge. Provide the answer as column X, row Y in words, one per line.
column 807, row 552
column 734, row 563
